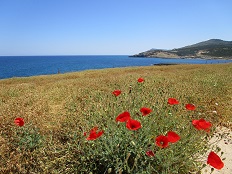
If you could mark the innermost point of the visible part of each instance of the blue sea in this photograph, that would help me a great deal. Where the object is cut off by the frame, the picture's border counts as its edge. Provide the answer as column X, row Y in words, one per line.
column 23, row 66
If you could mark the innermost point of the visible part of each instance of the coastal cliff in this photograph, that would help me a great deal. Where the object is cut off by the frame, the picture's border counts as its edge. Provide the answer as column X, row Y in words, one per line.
column 211, row 49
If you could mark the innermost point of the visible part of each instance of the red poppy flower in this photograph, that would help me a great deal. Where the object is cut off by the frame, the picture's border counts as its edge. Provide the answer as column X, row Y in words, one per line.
column 19, row 121
column 145, row 111
column 161, row 141
column 123, row 117
column 116, row 92
column 173, row 101
column 173, row 137
column 140, row 80
column 133, row 124
column 201, row 124
column 150, row 153
column 190, row 107
column 215, row 161
column 94, row 134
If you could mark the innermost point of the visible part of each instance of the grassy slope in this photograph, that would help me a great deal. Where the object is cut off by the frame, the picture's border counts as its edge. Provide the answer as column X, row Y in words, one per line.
column 48, row 101
column 48, row 95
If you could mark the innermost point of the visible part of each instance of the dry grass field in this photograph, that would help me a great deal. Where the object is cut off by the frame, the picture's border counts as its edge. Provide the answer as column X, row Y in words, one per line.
column 58, row 109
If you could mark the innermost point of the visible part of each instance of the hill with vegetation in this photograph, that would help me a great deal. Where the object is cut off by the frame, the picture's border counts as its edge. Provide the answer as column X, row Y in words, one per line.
column 210, row 49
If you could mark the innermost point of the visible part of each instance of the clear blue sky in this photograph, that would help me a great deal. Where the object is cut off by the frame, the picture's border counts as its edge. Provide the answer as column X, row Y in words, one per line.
column 98, row 27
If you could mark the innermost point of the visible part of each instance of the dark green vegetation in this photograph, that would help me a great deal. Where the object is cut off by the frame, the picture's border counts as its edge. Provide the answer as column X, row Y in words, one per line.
column 214, row 48
column 58, row 109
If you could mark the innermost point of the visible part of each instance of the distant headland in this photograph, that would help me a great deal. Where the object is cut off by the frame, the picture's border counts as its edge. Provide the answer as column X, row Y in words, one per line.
column 210, row 49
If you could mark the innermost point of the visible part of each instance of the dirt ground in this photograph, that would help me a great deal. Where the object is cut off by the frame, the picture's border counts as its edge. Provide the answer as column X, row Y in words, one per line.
column 225, row 144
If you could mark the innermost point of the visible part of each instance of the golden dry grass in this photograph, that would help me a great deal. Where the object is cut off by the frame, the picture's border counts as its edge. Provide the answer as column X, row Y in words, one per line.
column 48, row 101
column 43, row 98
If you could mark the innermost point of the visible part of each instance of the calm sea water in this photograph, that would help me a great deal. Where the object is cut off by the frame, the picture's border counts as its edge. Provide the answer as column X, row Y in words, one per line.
column 23, row 66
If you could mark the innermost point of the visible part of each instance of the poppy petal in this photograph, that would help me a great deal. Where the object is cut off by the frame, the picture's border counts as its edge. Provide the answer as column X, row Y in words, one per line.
column 173, row 137
column 100, row 133
column 195, row 124
column 123, row 117
column 215, row 161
